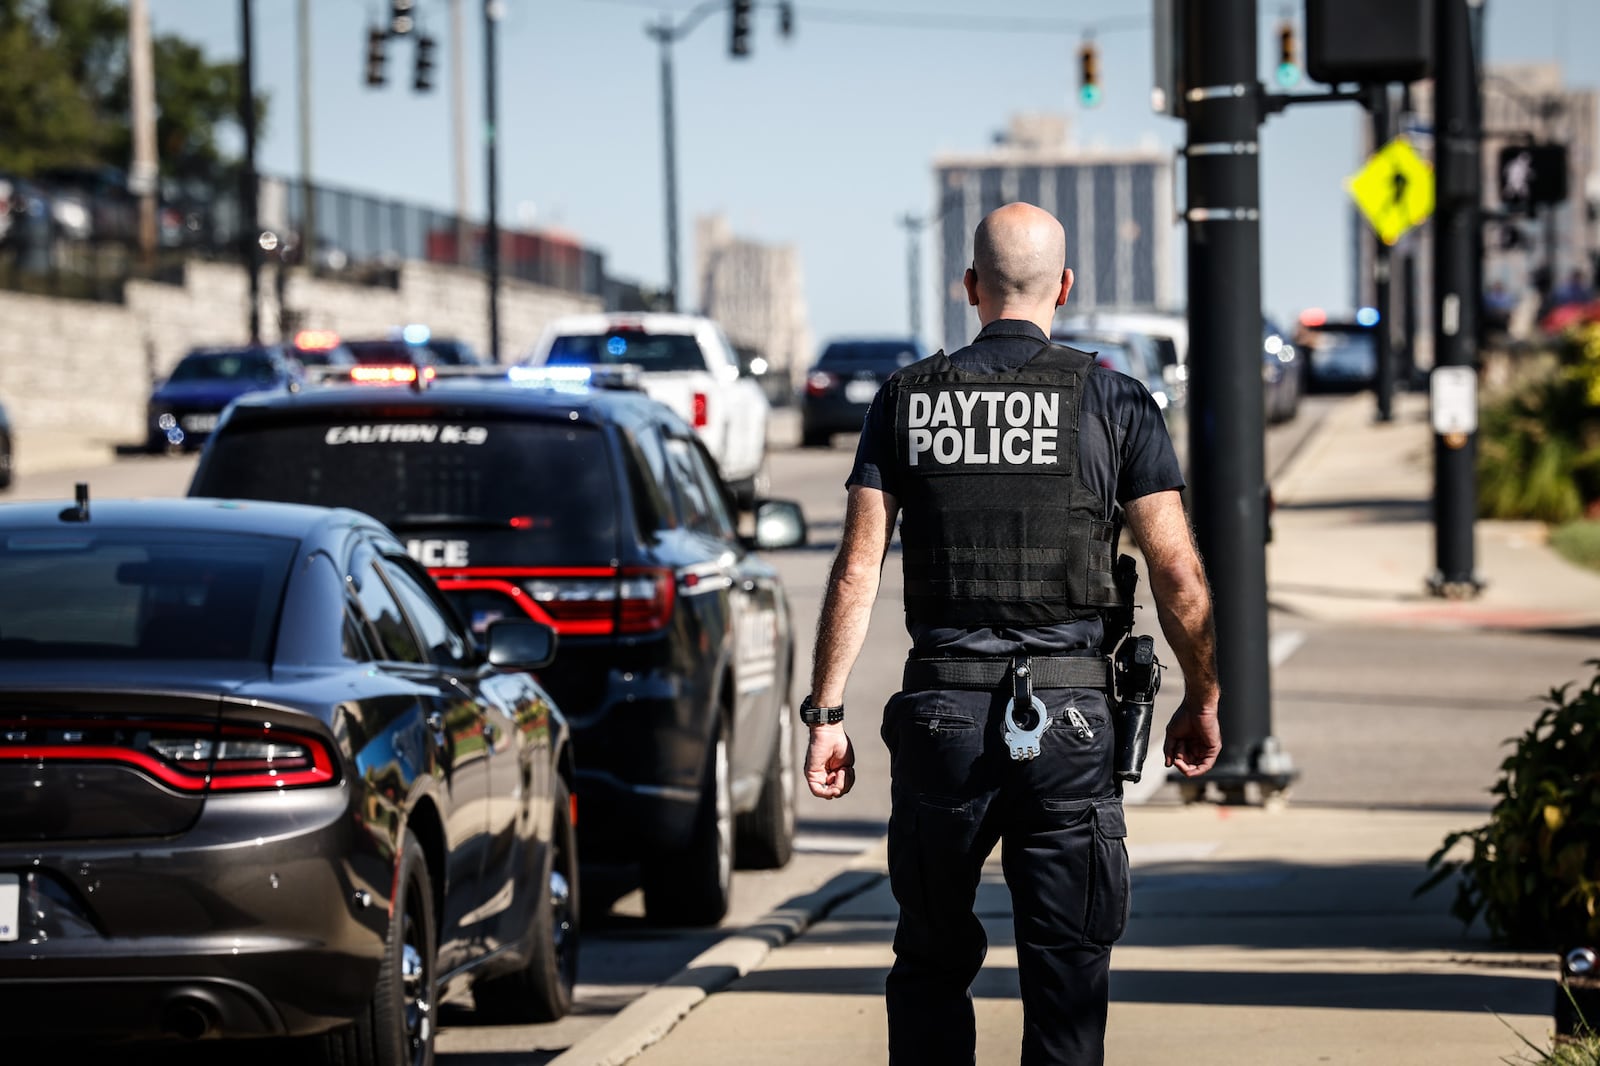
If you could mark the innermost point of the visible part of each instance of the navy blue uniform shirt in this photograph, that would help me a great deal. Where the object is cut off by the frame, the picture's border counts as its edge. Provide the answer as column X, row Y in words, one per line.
column 1124, row 453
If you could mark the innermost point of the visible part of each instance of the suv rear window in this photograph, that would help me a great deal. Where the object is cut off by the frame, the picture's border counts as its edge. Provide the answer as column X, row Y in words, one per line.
column 384, row 353
column 551, row 483
column 147, row 594
column 649, row 351
column 875, row 353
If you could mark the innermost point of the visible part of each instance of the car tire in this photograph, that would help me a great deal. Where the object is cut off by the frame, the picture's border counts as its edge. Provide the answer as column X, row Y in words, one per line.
column 765, row 836
column 693, row 885
column 398, row 1025
column 542, row 990
column 6, row 462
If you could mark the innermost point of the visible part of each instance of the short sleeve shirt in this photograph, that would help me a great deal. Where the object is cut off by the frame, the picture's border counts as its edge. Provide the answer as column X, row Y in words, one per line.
column 1124, row 452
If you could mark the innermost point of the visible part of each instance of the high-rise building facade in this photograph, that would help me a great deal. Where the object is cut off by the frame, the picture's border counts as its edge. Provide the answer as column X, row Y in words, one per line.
column 1116, row 207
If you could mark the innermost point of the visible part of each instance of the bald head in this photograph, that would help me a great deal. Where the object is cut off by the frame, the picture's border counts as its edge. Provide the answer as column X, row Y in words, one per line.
column 1019, row 255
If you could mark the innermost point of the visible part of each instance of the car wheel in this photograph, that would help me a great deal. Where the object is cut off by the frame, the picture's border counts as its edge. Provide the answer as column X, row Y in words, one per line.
column 766, row 833
column 397, row 1027
column 5, row 462
column 693, row 886
column 542, row 990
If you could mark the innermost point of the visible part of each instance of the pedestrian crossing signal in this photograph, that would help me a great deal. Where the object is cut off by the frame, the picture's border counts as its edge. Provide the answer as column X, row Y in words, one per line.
column 1088, row 74
column 1288, row 59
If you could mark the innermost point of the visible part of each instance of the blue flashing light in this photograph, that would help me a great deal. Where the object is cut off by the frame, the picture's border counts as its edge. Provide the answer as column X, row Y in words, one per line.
column 1367, row 316
column 617, row 345
column 416, row 334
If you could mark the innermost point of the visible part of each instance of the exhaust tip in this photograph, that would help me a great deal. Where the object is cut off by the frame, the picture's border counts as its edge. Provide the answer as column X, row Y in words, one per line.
column 188, row 1017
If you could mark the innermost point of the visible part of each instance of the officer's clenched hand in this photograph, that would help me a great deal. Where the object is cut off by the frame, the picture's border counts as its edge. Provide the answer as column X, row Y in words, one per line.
column 1194, row 739
column 830, row 762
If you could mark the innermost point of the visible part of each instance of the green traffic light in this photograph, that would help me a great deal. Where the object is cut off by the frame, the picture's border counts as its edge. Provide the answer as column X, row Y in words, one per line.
column 1089, row 95
column 1288, row 75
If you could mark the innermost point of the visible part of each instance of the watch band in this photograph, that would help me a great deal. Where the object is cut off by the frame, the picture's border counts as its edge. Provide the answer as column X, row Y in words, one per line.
column 811, row 714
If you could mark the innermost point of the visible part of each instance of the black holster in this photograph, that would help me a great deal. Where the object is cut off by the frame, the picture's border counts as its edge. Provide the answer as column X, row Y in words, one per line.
column 1138, row 678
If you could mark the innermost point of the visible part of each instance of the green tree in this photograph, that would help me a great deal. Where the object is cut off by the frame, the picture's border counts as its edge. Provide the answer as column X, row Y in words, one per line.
column 64, row 92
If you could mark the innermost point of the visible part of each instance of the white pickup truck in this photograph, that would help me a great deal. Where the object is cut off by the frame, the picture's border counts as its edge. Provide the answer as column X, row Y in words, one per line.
column 686, row 363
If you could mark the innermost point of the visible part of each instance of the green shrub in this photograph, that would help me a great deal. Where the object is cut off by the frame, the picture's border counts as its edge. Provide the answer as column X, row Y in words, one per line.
column 1534, row 869
column 1539, row 446
column 1578, row 542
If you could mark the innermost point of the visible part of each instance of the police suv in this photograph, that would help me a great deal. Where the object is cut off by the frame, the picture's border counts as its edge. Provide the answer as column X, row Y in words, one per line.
column 597, row 511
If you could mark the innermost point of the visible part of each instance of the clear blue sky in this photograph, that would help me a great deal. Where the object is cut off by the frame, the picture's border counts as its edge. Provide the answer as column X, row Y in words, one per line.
column 822, row 141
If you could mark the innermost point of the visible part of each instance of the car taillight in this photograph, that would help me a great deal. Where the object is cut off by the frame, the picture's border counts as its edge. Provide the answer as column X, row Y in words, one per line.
column 633, row 600
column 820, row 383
column 190, row 757
column 700, row 418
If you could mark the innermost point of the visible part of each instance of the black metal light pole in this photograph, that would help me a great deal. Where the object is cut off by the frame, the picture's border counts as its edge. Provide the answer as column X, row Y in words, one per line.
column 1383, row 334
column 665, row 35
column 491, row 138
column 1458, row 131
column 249, row 228
column 1223, row 109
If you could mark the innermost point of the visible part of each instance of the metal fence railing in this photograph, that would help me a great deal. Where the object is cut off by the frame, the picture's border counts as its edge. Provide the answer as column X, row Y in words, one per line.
column 81, row 244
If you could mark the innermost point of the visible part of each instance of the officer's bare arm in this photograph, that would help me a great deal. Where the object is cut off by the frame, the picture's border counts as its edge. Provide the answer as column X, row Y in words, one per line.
column 1183, row 599
column 852, row 587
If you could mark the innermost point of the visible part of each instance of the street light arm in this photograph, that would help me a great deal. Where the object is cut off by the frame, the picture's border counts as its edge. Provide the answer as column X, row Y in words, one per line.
column 669, row 32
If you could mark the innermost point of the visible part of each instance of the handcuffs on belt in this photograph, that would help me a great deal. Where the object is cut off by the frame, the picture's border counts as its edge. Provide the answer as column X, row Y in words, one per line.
column 1023, row 740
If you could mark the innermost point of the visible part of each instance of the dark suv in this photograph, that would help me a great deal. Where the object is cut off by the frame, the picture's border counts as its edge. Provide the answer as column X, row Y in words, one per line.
column 599, row 512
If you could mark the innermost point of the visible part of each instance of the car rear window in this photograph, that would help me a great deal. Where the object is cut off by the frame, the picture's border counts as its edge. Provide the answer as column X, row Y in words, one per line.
column 146, row 594
column 224, row 366
column 874, row 353
column 550, row 482
column 649, row 351
column 382, row 353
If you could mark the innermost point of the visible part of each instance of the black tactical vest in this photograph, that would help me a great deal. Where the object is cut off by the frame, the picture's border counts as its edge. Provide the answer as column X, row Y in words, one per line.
column 998, row 528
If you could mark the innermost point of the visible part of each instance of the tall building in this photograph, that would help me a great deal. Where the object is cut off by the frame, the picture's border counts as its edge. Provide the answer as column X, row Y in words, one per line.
column 1115, row 204
column 755, row 293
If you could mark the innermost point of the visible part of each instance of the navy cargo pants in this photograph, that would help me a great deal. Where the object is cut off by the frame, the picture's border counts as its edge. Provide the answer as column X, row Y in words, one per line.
column 956, row 792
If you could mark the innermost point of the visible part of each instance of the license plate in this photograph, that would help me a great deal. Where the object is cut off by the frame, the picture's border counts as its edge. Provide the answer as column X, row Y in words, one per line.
column 10, row 905
column 199, row 423
column 861, row 391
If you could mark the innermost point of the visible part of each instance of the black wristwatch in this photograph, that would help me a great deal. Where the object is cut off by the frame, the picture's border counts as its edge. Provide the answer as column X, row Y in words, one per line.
column 811, row 714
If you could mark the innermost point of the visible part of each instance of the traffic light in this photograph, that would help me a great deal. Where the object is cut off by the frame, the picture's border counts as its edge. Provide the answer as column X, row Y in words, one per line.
column 1288, row 59
column 422, row 79
column 375, row 39
column 739, row 28
column 1088, row 74
column 401, row 18
column 786, row 18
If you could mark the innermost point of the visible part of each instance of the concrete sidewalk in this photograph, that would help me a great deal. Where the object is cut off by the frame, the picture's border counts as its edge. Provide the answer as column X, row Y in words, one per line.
column 1279, row 936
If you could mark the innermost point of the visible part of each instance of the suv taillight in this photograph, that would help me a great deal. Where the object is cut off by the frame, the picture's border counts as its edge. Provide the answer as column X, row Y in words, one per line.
column 632, row 600
column 700, row 411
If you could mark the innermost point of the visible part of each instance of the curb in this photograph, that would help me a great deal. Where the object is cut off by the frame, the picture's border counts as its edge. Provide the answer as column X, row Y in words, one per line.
column 653, row 1015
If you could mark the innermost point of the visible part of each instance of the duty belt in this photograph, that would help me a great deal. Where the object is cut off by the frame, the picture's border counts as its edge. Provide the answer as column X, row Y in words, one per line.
column 985, row 674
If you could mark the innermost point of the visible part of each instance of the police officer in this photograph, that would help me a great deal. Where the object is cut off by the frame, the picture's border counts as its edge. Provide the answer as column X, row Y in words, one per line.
column 1010, row 463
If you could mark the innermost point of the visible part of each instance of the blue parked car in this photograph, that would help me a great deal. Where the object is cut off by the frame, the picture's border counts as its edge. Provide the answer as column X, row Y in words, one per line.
column 185, row 408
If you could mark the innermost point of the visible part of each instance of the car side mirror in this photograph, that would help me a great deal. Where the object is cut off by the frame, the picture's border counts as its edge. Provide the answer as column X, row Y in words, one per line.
column 779, row 524
column 518, row 645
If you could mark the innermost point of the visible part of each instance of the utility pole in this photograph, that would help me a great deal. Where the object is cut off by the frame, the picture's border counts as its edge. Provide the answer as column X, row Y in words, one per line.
column 491, row 134
column 249, row 228
column 1382, row 336
column 664, row 35
column 1223, row 109
column 308, row 196
column 144, row 174
column 1458, row 135
column 458, row 124
column 913, row 226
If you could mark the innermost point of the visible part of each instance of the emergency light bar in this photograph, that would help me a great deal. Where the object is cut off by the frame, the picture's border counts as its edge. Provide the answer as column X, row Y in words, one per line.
column 612, row 376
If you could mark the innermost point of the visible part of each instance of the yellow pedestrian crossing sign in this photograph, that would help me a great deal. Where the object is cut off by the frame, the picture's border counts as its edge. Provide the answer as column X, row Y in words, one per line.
column 1394, row 190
